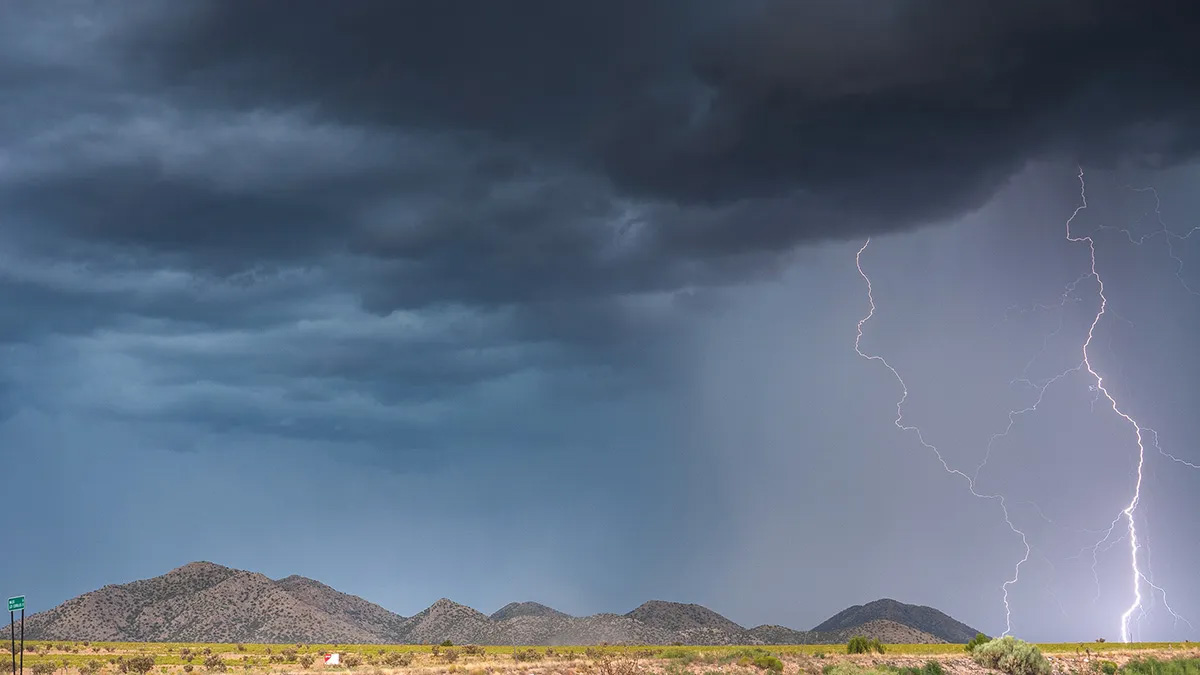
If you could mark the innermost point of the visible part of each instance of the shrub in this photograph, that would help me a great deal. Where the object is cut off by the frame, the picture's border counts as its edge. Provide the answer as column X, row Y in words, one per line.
column 351, row 660
column 44, row 668
column 436, row 649
column 395, row 659
column 979, row 639
column 1013, row 656
column 214, row 662
column 142, row 663
column 527, row 655
column 1108, row 667
column 930, row 668
column 474, row 650
column 91, row 667
column 451, row 655
column 289, row 655
column 768, row 662
column 447, row 643
column 188, row 668
column 861, row 645
column 305, row 660
column 1152, row 666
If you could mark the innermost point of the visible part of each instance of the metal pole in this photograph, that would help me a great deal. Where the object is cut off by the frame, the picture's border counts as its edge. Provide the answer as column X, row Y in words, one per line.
column 22, row 641
column 12, row 629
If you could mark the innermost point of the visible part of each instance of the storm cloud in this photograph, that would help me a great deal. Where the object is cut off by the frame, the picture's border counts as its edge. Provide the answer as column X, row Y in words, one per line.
column 425, row 235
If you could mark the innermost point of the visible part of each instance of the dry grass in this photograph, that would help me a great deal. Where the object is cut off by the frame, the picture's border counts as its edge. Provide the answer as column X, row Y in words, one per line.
column 73, row 658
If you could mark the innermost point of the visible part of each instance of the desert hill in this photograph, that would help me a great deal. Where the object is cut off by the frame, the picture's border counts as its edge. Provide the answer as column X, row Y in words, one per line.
column 926, row 619
column 205, row 602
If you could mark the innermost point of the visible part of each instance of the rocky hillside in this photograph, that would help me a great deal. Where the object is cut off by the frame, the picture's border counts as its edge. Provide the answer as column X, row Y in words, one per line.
column 204, row 602
column 925, row 619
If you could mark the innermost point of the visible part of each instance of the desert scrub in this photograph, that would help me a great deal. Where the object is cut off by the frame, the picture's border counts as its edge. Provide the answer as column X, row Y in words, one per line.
column 930, row 668
column 861, row 645
column 527, row 655
column 140, row 664
column 1152, row 666
column 474, row 650
column 351, row 660
column 1013, row 656
column 767, row 662
column 397, row 659
column 305, row 660
column 214, row 662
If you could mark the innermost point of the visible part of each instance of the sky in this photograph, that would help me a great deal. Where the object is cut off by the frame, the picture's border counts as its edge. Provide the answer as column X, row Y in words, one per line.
column 558, row 302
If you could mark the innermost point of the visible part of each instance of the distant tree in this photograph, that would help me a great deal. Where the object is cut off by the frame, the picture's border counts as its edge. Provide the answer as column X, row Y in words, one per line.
column 140, row 664
column 447, row 643
column 979, row 639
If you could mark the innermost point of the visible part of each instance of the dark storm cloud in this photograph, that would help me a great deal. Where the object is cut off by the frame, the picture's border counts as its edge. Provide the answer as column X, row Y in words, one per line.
column 587, row 168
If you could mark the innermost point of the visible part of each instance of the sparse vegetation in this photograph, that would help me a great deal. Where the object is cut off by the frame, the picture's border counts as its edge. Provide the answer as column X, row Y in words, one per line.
column 397, row 659
column 351, row 660
column 1012, row 656
column 447, row 643
column 213, row 662
column 1153, row 666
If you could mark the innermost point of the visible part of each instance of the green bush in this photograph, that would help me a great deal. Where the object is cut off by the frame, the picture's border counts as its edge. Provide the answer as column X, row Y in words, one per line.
column 768, row 662
column 1151, row 666
column 1012, row 656
column 91, row 667
column 861, row 645
column 1108, row 667
column 447, row 643
column 44, row 668
column 858, row 645
column 979, row 639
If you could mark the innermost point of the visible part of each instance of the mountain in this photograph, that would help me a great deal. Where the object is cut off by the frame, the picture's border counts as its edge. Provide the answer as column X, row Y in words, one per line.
column 925, row 619
column 515, row 609
column 205, row 602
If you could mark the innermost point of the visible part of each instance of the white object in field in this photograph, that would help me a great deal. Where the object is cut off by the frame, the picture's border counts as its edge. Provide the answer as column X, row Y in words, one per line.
column 332, row 659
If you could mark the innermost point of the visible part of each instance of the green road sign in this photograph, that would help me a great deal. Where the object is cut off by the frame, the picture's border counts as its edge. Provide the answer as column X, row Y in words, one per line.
column 16, row 604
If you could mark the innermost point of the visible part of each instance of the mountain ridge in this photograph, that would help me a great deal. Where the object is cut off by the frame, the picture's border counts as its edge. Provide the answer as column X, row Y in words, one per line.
column 206, row 602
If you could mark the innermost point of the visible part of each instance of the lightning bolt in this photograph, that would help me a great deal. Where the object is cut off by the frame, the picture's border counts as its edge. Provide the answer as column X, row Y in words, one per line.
column 1099, row 392
column 1140, row 432
column 920, row 436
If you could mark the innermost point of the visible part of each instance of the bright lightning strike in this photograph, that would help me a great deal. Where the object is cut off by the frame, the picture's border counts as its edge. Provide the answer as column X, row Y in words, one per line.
column 903, row 426
column 1099, row 391
column 1137, row 577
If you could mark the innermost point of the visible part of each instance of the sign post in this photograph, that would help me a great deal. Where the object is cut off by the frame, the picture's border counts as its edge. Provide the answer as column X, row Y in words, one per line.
column 14, row 604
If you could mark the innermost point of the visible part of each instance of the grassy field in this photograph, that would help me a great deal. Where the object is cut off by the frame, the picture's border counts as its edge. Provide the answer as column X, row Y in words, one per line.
column 107, row 658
